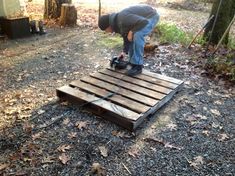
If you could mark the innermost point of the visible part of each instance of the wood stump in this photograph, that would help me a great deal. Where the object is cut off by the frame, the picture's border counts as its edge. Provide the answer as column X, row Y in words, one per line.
column 68, row 15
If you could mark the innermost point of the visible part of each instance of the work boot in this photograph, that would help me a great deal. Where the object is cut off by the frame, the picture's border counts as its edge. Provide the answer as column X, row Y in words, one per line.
column 135, row 70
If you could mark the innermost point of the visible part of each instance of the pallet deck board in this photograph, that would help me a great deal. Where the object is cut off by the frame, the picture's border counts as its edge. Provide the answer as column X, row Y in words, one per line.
column 155, row 80
column 116, row 109
column 124, row 100
column 124, row 92
column 127, row 103
column 130, row 86
column 139, row 82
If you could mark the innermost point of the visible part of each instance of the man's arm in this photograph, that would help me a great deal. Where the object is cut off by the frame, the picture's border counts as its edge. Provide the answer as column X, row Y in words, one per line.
column 126, row 44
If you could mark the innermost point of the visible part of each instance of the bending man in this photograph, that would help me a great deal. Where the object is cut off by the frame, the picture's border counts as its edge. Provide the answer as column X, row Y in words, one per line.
column 133, row 23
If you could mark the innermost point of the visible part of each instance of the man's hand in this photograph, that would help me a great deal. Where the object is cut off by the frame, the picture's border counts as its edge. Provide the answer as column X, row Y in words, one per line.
column 122, row 55
column 130, row 36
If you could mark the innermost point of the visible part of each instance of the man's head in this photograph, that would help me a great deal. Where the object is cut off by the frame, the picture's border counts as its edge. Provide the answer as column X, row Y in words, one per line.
column 103, row 23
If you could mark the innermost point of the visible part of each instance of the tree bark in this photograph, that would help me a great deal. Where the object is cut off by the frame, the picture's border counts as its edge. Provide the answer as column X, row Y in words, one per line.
column 53, row 8
column 68, row 15
column 225, row 15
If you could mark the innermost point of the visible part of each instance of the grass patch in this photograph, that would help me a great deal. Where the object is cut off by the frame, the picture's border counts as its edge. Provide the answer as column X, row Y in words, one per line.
column 110, row 41
column 170, row 33
column 231, row 43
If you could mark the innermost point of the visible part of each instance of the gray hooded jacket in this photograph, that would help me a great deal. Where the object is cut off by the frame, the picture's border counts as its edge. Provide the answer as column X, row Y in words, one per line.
column 133, row 18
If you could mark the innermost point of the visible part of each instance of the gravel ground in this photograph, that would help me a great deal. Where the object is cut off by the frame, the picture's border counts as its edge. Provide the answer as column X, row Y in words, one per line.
column 193, row 134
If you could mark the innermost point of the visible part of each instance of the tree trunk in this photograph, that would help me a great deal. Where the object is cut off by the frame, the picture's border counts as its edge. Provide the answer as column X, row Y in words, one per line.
column 68, row 15
column 225, row 15
column 53, row 8
column 99, row 9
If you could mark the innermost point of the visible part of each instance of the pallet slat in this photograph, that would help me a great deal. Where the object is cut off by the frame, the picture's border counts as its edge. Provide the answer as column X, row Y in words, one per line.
column 162, row 77
column 153, row 80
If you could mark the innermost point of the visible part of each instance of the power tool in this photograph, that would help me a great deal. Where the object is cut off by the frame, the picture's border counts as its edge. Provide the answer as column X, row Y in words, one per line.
column 117, row 62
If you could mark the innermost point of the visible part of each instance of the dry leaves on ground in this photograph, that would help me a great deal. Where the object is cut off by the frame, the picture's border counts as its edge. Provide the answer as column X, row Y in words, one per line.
column 103, row 151
column 48, row 159
column 118, row 133
column 134, row 152
column 196, row 162
column 96, row 168
column 66, row 121
column 64, row 158
column 63, row 148
column 72, row 135
column 215, row 112
column 172, row 126
column 82, row 124
column 3, row 166
column 223, row 137
column 37, row 135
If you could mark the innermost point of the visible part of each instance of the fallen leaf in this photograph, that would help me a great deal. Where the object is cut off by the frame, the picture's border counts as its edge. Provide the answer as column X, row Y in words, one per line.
column 40, row 111
column 214, row 125
column 11, row 111
column 196, row 162
column 103, row 151
column 96, row 168
column 160, row 141
column 63, row 148
column 66, row 121
column 206, row 132
column 48, row 159
column 118, row 134
column 65, row 103
column 215, row 112
column 134, row 152
column 3, row 166
column 82, row 124
column 64, row 158
column 72, row 135
column 223, row 137
column 28, row 127
column 191, row 118
column 172, row 126
column 218, row 102
column 37, row 135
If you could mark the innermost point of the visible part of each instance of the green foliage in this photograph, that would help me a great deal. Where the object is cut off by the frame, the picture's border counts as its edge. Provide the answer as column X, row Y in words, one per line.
column 109, row 41
column 231, row 43
column 170, row 33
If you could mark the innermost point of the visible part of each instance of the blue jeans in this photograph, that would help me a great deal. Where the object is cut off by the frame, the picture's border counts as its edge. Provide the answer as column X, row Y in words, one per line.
column 136, row 49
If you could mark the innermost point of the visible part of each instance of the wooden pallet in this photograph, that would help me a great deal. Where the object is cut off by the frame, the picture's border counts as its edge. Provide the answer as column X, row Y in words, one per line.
column 124, row 100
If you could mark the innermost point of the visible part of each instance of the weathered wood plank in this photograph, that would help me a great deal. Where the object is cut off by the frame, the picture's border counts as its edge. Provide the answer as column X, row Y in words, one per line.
column 121, row 91
column 122, row 101
column 136, row 81
column 163, row 77
column 130, row 86
column 115, row 109
column 153, row 80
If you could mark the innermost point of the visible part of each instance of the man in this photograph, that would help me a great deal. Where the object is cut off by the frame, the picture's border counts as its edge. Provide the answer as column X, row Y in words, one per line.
column 133, row 23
